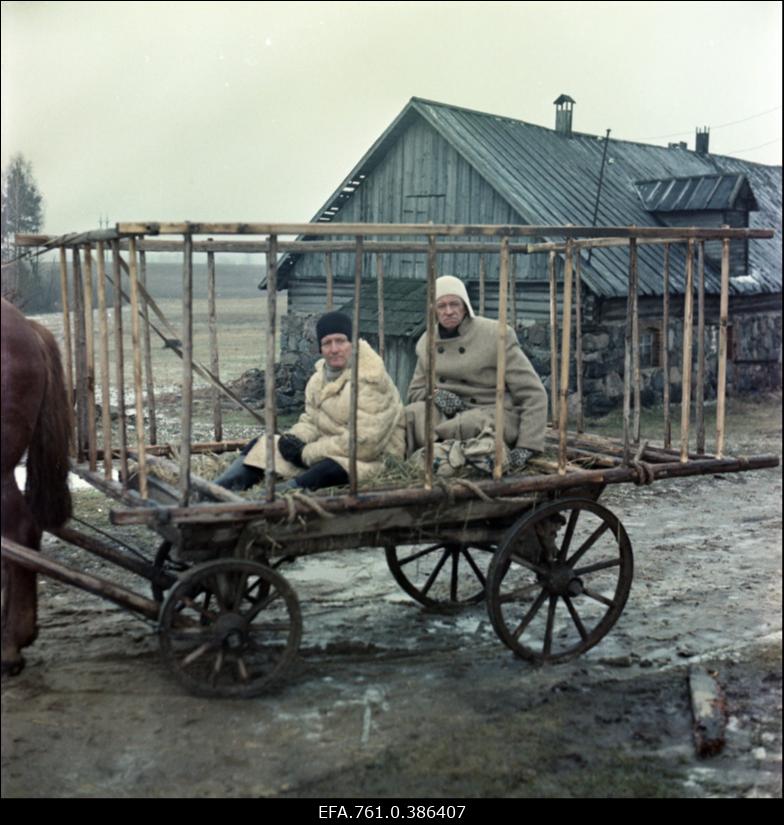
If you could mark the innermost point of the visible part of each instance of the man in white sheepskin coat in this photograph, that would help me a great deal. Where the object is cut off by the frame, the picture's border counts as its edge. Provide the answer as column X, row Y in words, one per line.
column 314, row 453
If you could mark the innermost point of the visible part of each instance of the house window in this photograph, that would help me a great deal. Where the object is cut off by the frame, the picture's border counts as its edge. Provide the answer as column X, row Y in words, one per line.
column 650, row 347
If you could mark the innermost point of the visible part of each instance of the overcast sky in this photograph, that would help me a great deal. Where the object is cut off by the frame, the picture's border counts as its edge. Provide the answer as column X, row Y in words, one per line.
column 255, row 111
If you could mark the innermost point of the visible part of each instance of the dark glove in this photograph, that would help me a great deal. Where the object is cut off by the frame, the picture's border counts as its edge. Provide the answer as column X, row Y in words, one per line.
column 291, row 447
column 448, row 402
column 518, row 458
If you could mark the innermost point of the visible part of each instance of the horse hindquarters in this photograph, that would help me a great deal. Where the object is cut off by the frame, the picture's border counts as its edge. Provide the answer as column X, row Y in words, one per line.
column 46, row 491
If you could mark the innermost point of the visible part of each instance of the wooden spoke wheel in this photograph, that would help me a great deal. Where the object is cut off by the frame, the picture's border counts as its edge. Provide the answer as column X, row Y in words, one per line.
column 559, row 580
column 442, row 575
column 230, row 628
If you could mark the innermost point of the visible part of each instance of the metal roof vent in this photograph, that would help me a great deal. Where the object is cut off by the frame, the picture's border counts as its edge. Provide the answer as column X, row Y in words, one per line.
column 563, row 114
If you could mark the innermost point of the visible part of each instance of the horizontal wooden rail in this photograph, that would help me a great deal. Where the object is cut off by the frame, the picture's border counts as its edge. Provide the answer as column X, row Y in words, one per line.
column 426, row 230
column 215, row 513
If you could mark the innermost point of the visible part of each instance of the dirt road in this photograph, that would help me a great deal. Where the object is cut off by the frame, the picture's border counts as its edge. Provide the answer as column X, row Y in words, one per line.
column 388, row 700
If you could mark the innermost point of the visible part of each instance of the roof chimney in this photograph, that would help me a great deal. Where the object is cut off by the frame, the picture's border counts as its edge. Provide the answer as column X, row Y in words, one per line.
column 701, row 143
column 563, row 115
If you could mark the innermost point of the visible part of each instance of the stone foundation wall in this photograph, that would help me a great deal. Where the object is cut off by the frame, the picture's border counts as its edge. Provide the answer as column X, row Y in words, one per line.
column 755, row 364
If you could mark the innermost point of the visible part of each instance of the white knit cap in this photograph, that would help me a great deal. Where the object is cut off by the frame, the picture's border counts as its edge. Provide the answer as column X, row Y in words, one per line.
column 449, row 285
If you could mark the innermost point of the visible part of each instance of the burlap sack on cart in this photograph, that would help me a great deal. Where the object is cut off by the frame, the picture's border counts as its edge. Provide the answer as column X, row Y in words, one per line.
column 454, row 457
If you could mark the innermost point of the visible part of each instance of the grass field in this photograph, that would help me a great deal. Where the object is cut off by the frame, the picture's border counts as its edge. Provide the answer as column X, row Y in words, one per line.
column 242, row 329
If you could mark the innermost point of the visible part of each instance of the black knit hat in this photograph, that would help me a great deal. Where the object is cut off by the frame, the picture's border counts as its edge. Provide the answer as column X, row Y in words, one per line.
column 333, row 323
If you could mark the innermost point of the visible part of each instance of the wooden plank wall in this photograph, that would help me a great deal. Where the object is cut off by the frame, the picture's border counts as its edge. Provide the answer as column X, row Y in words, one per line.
column 421, row 179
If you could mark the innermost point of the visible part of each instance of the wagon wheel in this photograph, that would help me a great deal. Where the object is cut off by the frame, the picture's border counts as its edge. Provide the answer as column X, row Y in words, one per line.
column 230, row 628
column 559, row 580
column 443, row 575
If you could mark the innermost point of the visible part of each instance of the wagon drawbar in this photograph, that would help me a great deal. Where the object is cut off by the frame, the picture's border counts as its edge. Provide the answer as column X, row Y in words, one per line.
column 554, row 566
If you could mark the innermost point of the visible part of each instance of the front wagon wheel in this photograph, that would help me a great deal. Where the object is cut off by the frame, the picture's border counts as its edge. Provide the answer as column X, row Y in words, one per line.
column 559, row 580
column 230, row 628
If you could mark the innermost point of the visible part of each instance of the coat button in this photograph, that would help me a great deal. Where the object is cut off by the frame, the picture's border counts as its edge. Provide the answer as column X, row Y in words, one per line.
column 461, row 350
column 441, row 379
column 440, row 349
column 473, row 400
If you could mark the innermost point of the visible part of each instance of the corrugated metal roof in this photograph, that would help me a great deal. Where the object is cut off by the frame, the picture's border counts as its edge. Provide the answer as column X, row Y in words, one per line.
column 551, row 178
column 698, row 193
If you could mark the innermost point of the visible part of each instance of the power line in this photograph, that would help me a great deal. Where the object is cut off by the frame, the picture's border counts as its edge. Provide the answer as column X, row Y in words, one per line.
column 758, row 146
column 713, row 128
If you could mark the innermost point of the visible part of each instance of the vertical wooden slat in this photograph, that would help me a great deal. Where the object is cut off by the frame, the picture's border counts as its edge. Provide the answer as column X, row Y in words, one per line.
column 721, row 381
column 89, row 334
column 137, row 366
column 500, row 370
column 149, row 382
column 187, row 370
column 513, row 289
column 636, row 340
column 80, row 357
column 553, row 338
column 217, row 415
column 627, row 354
column 352, row 429
column 688, row 322
column 330, row 280
column 431, row 363
column 578, row 340
column 270, row 399
column 665, row 348
column 566, row 322
column 68, row 365
column 122, row 429
column 380, row 284
column 482, row 283
column 105, row 388
column 700, row 392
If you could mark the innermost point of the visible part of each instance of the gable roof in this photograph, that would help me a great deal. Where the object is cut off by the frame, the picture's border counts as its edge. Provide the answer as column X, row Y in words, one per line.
column 551, row 179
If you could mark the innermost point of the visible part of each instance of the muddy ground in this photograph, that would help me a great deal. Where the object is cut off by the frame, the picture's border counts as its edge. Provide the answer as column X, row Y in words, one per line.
column 388, row 700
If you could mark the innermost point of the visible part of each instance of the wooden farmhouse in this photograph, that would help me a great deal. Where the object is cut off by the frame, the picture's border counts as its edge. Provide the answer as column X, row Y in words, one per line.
column 449, row 165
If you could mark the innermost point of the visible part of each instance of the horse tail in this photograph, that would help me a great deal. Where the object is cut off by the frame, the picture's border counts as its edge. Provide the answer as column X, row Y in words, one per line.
column 46, row 490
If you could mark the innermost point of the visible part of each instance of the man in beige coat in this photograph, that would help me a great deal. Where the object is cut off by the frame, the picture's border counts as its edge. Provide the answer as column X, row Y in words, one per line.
column 466, row 359
column 314, row 453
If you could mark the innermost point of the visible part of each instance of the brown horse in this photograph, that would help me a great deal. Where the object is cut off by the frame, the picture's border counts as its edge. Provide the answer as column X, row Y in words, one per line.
column 36, row 418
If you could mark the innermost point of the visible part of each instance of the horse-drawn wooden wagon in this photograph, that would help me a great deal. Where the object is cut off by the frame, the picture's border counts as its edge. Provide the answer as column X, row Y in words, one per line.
column 552, row 564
